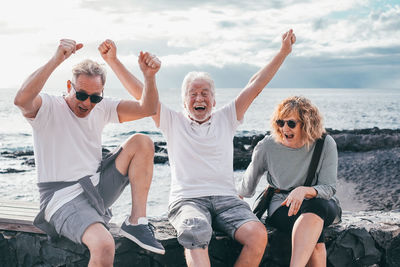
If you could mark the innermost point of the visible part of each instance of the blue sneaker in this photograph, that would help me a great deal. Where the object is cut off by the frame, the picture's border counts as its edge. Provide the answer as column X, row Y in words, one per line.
column 142, row 234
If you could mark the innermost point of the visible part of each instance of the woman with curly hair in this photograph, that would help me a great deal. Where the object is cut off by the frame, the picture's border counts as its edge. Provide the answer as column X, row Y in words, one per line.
column 285, row 157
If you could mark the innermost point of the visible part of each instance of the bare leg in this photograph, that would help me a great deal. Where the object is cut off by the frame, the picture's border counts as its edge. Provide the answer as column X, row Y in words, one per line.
column 100, row 244
column 318, row 257
column 136, row 161
column 306, row 231
column 253, row 236
column 197, row 257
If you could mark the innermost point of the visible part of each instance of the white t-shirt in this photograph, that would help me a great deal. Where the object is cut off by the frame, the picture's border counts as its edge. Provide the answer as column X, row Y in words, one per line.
column 67, row 147
column 200, row 155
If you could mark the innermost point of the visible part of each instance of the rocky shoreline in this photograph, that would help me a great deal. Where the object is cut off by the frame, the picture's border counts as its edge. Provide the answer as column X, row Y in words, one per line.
column 368, row 158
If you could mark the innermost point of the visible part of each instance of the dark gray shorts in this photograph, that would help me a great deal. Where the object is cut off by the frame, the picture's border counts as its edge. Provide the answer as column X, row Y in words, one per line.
column 74, row 217
column 195, row 218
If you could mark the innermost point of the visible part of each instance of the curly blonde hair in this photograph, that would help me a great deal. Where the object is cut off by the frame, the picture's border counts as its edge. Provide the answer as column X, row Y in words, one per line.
column 309, row 116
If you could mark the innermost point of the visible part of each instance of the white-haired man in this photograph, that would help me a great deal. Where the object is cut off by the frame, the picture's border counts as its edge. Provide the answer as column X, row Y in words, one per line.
column 200, row 151
column 76, row 186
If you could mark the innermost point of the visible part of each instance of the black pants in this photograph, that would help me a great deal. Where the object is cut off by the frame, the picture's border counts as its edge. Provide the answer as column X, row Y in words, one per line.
column 326, row 209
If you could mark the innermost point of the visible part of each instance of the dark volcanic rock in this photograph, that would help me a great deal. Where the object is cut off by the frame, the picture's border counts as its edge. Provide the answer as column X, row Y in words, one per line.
column 29, row 162
column 365, row 139
column 16, row 154
column 362, row 239
column 11, row 170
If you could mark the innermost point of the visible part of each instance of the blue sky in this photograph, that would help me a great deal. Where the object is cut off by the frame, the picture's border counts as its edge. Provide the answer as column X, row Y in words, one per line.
column 341, row 43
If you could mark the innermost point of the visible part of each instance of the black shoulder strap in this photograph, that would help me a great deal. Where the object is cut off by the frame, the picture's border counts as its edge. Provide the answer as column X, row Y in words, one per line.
column 315, row 160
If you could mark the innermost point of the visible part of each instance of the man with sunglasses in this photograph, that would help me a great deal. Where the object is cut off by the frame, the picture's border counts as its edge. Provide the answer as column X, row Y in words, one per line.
column 76, row 186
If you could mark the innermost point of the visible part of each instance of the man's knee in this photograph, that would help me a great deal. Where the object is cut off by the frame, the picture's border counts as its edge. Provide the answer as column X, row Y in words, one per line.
column 98, row 239
column 140, row 142
column 254, row 234
column 101, row 247
column 194, row 233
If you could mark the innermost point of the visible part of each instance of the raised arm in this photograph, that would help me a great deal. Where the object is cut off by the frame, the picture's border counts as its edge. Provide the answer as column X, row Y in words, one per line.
column 147, row 94
column 108, row 51
column 259, row 80
column 27, row 97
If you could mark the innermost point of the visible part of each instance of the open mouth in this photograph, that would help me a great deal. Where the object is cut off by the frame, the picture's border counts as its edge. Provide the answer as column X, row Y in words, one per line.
column 82, row 109
column 289, row 136
column 200, row 108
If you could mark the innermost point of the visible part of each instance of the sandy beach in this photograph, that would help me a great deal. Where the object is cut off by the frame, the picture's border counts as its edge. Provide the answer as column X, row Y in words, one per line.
column 370, row 178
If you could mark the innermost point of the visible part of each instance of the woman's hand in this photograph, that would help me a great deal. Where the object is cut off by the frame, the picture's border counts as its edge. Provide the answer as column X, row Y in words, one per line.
column 296, row 197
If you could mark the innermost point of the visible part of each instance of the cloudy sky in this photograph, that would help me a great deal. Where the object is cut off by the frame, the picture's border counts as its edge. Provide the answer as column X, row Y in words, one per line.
column 340, row 43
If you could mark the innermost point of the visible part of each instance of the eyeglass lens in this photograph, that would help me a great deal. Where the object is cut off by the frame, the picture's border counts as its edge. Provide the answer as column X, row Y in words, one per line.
column 83, row 96
column 290, row 123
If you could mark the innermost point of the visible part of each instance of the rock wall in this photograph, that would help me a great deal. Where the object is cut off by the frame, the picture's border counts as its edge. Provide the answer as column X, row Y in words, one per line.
column 362, row 239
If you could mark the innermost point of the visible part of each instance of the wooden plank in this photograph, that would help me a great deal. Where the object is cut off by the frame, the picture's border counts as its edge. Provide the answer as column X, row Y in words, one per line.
column 17, row 210
column 17, row 207
column 17, row 219
column 9, row 210
column 20, row 210
column 20, row 227
column 19, row 216
column 16, row 203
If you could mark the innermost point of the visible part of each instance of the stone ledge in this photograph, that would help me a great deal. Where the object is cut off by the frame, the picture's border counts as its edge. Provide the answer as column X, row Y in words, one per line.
column 362, row 239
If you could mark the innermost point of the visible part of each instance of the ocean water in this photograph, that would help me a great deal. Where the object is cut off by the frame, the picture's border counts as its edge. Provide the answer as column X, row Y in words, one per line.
column 342, row 109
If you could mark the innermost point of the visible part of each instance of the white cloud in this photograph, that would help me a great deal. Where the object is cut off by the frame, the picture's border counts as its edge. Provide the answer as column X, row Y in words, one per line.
column 214, row 34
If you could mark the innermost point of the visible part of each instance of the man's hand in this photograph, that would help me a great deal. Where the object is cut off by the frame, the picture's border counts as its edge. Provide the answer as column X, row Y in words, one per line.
column 65, row 49
column 288, row 39
column 108, row 50
column 149, row 64
column 295, row 199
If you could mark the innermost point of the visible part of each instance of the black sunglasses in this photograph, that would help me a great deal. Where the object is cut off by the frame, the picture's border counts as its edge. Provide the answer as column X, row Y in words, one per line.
column 291, row 123
column 82, row 96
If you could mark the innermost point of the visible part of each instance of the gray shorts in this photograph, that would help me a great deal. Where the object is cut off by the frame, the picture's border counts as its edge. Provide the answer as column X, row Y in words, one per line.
column 74, row 217
column 194, row 218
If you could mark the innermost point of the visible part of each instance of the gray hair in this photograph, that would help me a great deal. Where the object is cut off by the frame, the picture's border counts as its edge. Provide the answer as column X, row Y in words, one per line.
column 90, row 68
column 196, row 75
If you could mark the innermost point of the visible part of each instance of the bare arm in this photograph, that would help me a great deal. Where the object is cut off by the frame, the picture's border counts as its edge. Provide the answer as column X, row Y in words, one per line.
column 259, row 80
column 148, row 103
column 27, row 97
column 134, row 86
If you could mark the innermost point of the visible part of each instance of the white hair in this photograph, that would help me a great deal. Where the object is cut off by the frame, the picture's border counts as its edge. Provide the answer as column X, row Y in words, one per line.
column 196, row 75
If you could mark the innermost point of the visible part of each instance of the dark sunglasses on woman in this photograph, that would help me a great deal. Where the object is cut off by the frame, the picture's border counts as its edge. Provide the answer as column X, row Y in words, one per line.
column 290, row 123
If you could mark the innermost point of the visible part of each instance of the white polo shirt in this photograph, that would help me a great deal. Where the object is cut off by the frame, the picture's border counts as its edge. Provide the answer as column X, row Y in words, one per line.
column 200, row 155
